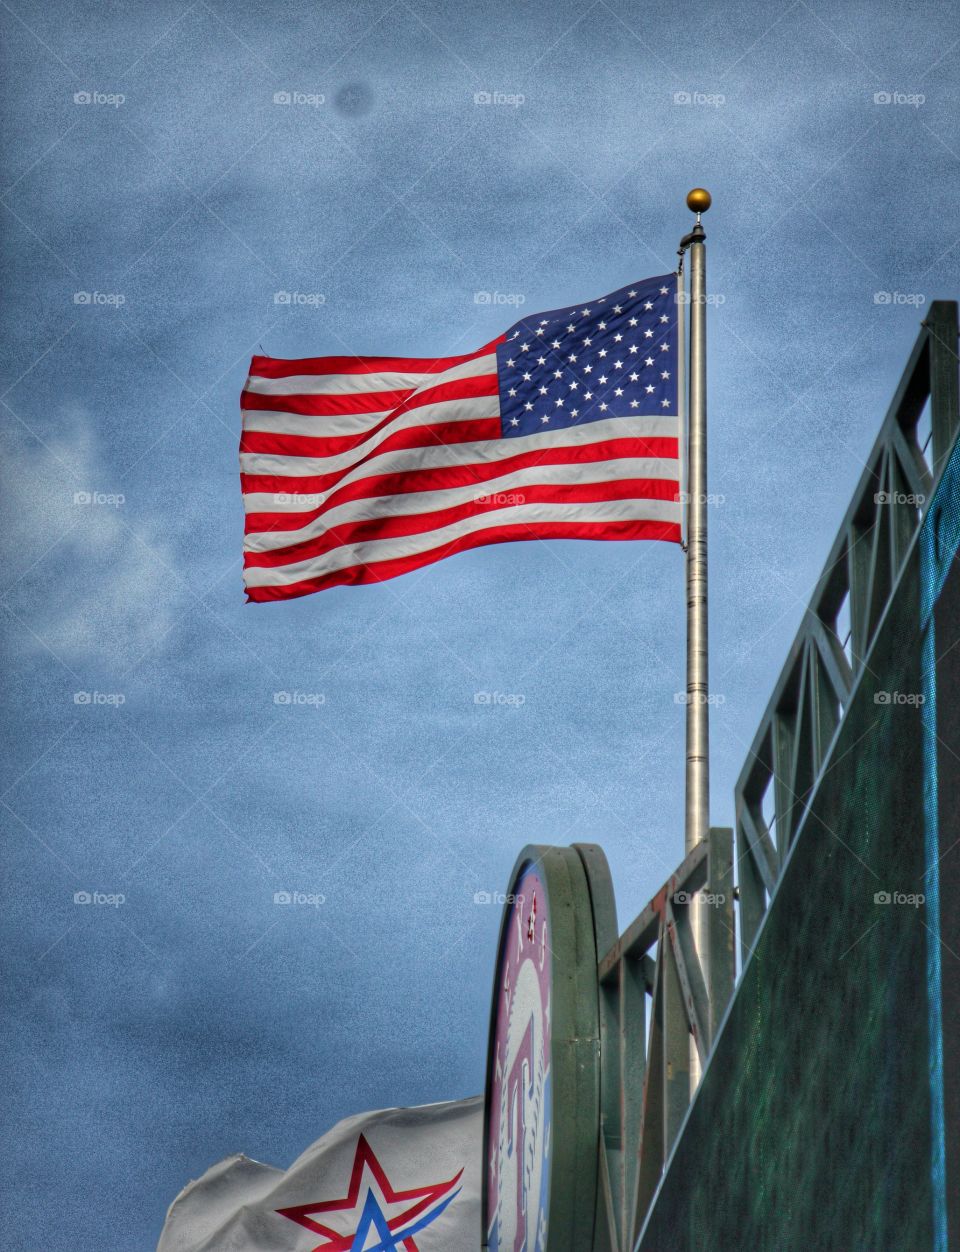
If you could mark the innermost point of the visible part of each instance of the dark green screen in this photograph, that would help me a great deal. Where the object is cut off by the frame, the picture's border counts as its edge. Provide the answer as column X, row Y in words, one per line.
column 815, row 1125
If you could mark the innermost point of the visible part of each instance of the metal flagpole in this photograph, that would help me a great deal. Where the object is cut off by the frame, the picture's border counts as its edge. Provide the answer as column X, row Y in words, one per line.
column 698, row 770
column 697, row 811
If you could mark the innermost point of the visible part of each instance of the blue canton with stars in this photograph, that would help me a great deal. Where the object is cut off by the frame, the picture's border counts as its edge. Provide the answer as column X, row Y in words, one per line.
column 612, row 357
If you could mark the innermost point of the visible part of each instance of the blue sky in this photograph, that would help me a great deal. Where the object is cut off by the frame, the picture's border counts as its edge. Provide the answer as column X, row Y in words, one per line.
column 156, row 199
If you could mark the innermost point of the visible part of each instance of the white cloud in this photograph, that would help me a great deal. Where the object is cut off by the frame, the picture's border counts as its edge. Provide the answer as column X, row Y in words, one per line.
column 92, row 574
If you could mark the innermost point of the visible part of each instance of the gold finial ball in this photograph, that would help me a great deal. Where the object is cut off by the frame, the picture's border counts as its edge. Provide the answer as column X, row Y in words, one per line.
column 698, row 200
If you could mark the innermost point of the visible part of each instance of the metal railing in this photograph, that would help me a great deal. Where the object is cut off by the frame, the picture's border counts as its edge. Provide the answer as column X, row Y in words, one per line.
column 827, row 658
column 645, row 1071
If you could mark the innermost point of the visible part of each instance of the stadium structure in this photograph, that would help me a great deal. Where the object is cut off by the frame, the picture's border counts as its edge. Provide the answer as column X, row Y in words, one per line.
column 783, row 1074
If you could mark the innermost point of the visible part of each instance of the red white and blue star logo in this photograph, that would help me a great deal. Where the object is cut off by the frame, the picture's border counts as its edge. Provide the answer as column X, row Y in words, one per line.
column 372, row 1216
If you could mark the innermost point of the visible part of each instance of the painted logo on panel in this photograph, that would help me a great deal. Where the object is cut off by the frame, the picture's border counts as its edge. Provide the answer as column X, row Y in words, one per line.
column 519, row 1116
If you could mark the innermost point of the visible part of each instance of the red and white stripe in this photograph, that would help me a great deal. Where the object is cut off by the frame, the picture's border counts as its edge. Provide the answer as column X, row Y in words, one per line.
column 355, row 470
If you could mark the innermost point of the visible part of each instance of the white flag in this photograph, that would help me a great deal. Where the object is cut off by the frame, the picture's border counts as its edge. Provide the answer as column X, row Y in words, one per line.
column 397, row 1180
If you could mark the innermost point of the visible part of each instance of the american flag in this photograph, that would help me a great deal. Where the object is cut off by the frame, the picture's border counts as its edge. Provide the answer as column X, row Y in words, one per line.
column 358, row 469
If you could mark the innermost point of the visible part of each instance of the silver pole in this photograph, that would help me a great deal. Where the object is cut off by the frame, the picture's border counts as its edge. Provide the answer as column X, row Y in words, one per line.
column 698, row 730
column 697, row 814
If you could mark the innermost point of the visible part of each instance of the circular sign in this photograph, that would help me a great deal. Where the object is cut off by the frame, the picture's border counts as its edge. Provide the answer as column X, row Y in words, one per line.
column 542, row 1118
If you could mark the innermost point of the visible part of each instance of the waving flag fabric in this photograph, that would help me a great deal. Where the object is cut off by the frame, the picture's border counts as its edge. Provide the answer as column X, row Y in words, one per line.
column 357, row 469
column 400, row 1180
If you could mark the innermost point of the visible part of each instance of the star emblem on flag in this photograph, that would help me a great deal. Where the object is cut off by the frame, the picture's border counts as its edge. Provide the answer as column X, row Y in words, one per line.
column 374, row 1216
column 579, row 365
